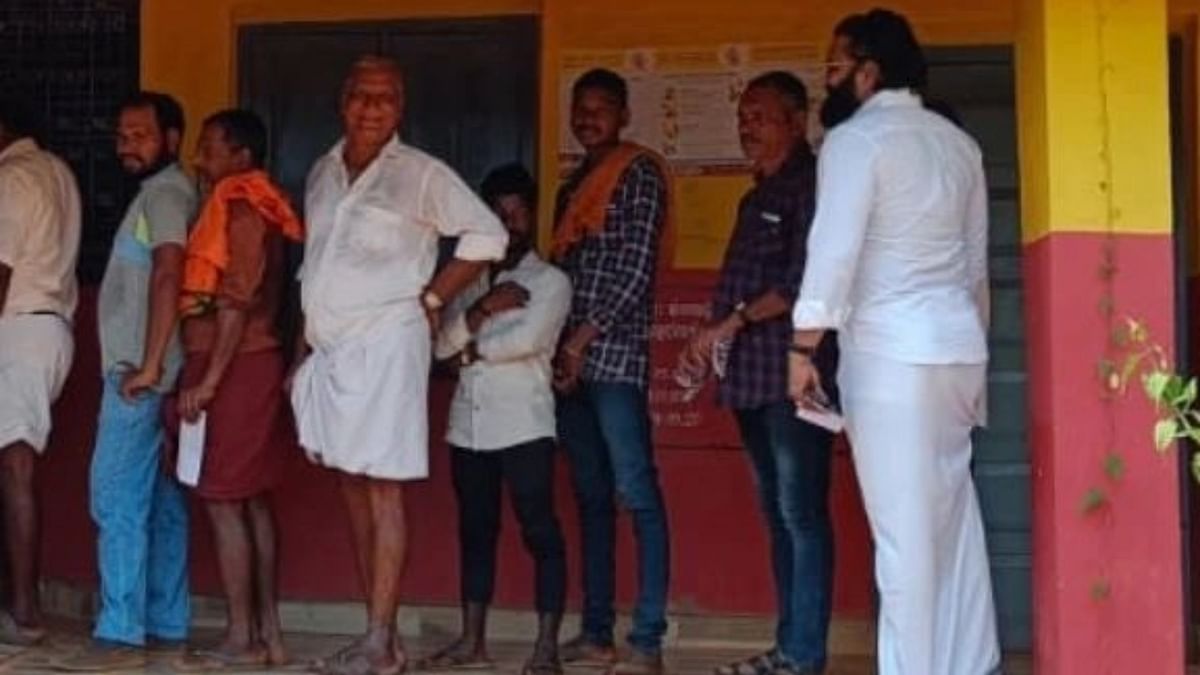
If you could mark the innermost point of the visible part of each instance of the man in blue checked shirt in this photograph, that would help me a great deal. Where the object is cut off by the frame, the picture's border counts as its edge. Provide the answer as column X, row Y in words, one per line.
column 790, row 458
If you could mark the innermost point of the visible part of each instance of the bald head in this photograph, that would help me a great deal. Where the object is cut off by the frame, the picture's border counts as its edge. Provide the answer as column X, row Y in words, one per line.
column 372, row 101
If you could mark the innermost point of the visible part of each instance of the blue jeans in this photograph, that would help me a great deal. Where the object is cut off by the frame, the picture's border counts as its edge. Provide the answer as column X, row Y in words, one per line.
column 141, row 514
column 791, row 461
column 605, row 429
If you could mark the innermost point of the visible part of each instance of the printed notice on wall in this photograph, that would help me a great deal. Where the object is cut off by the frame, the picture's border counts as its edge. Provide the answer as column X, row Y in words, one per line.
column 683, row 101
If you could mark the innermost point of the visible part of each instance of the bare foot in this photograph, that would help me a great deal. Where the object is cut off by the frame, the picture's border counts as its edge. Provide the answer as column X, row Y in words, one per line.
column 276, row 653
column 383, row 651
column 544, row 661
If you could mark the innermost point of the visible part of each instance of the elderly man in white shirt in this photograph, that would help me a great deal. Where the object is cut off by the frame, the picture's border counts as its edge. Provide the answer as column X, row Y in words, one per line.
column 371, row 301
column 897, row 264
column 39, row 244
column 503, row 332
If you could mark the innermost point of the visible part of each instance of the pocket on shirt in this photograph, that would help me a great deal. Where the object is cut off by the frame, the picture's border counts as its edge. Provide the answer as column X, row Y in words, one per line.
column 772, row 239
column 375, row 233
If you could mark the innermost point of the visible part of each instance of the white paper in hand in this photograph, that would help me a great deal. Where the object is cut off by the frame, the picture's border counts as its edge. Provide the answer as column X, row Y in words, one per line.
column 824, row 417
column 191, row 450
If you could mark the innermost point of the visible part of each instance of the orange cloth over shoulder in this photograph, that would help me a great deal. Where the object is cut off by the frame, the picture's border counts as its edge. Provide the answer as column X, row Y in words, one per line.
column 208, row 245
column 587, row 209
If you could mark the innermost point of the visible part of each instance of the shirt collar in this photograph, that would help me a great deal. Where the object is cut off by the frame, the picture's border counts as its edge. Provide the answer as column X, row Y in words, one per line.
column 528, row 263
column 390, row 149
column 168, row 173
column 797, row 160
column 893, row 98
column 23, row 146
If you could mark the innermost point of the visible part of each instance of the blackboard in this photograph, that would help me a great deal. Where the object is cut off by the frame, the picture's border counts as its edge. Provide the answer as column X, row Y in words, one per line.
column 73, row 62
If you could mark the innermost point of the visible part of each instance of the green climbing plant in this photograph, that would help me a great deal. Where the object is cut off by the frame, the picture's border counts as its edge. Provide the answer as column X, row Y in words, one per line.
column 1173, row 395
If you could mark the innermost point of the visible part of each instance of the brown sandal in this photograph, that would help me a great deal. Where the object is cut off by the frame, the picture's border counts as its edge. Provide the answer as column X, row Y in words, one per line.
column 13, row 633
column 450, row 659
column 216, row 661
column 352, row 660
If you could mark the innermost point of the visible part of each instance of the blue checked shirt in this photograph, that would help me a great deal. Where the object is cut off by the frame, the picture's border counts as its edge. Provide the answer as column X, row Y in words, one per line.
column 613, row 275
column 767, row 251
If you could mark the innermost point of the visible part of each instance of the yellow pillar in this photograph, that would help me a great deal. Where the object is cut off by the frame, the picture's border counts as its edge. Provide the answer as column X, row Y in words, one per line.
column 1092, row 81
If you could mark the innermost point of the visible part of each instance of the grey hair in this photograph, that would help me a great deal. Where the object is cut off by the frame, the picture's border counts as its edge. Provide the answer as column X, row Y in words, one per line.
column 374, row 63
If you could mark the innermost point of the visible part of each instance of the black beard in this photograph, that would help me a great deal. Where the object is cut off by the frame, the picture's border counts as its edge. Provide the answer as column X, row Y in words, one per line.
column 840, row 104
column 163, row 160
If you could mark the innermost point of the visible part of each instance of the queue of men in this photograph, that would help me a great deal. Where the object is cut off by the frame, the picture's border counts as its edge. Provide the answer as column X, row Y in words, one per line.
column 878, row 246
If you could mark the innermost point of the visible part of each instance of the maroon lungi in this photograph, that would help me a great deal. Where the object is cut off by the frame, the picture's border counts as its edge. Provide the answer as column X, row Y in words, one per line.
column 248, row 432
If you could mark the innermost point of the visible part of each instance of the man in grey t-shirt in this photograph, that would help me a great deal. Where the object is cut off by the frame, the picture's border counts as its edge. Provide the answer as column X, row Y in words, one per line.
column 139, row 510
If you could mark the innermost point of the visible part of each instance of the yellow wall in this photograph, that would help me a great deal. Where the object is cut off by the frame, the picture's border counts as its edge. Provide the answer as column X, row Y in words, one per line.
column 189, row 47
column 1094, row 136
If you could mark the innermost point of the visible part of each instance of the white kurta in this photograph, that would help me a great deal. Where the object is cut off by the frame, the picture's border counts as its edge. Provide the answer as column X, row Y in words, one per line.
column 897, row 264
column 360, row 398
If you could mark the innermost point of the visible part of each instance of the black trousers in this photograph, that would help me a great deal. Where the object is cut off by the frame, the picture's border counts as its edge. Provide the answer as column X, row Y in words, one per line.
column 528, row 470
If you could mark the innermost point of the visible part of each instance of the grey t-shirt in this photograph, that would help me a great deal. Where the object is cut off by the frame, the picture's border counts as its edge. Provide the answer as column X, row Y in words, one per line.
column 158, row 215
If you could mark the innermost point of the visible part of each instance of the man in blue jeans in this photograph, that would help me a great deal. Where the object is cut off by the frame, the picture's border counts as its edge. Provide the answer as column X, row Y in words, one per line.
column 610, row 217
column 790, row 458
column 140, row 511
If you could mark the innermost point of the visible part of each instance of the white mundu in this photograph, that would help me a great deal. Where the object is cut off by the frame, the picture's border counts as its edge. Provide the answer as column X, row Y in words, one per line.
column 897, row 264
column 361, row 397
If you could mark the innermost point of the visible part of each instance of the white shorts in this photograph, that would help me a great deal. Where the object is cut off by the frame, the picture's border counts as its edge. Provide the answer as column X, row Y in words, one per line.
column 35, row 358
column 361, row 406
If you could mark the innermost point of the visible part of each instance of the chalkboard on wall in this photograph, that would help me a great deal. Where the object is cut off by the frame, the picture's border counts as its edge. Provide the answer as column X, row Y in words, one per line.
column 73, row 62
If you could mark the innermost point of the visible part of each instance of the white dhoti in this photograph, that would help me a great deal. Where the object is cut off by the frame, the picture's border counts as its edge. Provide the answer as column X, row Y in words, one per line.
column 910, row 429
column 361, row 405
column 35, row 358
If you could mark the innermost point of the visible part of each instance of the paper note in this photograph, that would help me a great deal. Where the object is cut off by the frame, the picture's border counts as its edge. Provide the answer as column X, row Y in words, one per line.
column 825, row 418
column 191, row 450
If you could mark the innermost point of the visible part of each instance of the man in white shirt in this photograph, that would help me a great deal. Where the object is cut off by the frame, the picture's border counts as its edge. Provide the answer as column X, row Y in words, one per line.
column 897, row 264
column 39, row 244
column 371, row 302
column 503, row 333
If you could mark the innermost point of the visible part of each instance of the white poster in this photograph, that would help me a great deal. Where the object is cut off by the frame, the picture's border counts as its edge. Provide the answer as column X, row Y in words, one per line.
column 683, row 101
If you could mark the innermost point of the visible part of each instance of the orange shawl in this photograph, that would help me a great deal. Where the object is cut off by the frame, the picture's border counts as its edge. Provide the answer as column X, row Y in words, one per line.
column 587, row 209
column 208, row 245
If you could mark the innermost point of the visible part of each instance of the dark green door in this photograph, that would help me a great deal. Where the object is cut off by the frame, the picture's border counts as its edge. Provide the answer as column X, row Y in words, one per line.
column 471, row 88
column 979, row 84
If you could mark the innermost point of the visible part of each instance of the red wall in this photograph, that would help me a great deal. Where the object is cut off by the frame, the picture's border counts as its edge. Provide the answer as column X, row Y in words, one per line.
column 1106, row 584
column 720, row 562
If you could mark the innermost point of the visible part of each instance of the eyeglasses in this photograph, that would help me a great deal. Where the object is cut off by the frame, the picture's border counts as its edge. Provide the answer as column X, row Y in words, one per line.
column 829, row 65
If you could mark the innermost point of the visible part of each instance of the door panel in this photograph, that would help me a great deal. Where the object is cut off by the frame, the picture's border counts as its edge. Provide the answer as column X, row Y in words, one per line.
column 470, row 88
column 979, row 85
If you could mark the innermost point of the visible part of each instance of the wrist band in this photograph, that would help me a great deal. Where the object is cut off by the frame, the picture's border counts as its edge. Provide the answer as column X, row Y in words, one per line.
column 802, row 350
